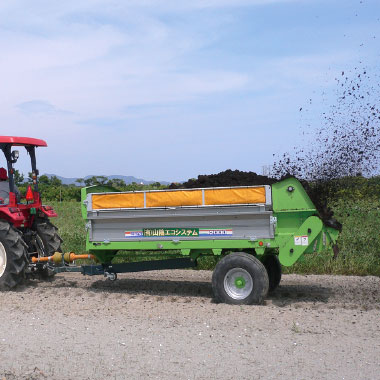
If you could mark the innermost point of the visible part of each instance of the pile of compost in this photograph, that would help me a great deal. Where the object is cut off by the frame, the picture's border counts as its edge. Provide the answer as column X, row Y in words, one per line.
column 225, row 179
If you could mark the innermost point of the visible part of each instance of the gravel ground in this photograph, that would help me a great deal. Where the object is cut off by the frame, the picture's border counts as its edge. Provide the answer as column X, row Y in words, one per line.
column 165, row 325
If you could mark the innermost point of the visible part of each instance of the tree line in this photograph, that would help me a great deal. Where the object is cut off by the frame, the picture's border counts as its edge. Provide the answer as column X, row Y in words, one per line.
column 52, row 188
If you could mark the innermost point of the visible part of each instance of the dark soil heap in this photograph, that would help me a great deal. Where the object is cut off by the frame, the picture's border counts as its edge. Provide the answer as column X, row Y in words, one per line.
column 228, row 178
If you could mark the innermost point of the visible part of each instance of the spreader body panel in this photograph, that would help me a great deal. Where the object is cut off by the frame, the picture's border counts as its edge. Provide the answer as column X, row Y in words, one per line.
column 181, row 224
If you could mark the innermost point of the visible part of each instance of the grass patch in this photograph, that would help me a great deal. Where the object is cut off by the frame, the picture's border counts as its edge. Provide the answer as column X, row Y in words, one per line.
column 70, row 225
column 359, row 241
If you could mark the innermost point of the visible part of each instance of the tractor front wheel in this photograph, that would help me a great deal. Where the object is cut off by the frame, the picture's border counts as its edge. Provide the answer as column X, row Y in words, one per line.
column 13, row 256
column 240, row 278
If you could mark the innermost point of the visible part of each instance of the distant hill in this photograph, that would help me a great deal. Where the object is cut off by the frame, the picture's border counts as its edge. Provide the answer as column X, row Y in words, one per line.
column 126, row 179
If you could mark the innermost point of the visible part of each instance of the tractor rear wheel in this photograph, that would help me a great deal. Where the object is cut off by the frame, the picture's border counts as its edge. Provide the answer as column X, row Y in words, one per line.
column 47, row 243
column 13, row 256
column 273, row 266
column 240, row 278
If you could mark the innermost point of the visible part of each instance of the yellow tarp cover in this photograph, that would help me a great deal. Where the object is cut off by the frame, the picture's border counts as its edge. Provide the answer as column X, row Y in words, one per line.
column 174, row 198
column 179, row 198
column 129, row 200
column 235, row 196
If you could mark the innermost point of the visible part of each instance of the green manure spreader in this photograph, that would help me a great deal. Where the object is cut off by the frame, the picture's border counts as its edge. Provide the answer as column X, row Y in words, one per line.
column 254, row 230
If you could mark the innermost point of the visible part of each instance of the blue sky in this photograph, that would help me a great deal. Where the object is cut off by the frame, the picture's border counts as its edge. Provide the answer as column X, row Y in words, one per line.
column 167, row 90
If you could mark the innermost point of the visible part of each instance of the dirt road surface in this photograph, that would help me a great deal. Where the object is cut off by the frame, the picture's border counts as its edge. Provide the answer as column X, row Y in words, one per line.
column 165, row 325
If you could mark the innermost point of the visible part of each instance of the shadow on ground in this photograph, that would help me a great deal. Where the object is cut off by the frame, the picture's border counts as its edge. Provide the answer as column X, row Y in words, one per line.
column 283, row 296
column 286, row 295
column 155, row 287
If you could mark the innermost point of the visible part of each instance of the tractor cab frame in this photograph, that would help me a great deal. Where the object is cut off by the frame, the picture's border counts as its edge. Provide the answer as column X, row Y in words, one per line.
column 21, row 214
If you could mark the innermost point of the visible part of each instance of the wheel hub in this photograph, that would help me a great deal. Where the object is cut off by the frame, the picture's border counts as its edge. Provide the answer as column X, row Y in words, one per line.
column 3, row 259
column 238, row 283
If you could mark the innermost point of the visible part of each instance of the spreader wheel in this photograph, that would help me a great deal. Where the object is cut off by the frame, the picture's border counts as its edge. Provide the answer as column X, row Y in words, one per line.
column 47, row 243
column 240, row 278
column 13, row 256
column 273, row 267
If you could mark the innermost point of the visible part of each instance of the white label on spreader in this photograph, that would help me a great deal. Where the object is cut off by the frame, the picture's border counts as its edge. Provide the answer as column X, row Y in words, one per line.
column 297, row 240
column 215, row 232
column 305, row 240
column 179, row 232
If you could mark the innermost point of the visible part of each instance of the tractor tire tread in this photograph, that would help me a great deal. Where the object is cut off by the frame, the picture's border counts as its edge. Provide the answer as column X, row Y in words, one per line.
column 48, row 233
column 17, row 259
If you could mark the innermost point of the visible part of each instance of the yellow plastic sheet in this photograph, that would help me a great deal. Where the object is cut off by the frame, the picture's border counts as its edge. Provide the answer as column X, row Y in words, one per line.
column 126, row 200
column 235, row 196
column 174, row 198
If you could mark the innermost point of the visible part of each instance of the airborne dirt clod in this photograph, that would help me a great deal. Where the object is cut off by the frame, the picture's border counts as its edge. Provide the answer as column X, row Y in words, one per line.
column 165, row 325
column 347, row 144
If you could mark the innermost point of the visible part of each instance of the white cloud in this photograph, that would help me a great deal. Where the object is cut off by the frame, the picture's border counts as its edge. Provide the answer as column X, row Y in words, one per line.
column 98, row 68
column 40, row 107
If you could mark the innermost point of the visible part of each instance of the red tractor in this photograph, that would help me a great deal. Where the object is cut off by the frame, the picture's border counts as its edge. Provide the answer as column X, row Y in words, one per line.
column 25, row 229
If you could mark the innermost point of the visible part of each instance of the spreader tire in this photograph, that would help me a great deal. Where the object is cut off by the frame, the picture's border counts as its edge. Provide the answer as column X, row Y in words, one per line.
column 273, row 267
column 240, row 278
column 48, row 242
column 13, row 256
